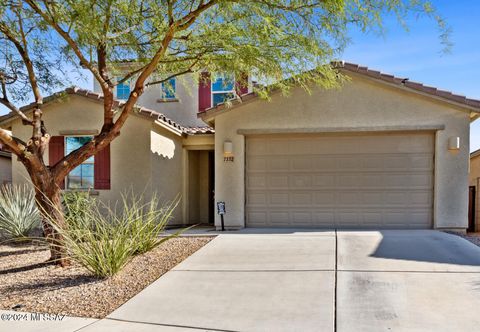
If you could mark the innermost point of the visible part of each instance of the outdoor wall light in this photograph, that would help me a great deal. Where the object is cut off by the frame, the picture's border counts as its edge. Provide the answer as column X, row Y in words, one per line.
column 454, row 143
column 227, row 151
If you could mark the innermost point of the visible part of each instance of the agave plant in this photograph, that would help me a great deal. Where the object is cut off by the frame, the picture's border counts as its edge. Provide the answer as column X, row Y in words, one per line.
column 18, row 211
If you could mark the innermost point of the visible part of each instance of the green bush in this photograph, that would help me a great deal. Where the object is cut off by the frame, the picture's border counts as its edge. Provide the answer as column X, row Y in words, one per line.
column 104, row 240
column 18, row 211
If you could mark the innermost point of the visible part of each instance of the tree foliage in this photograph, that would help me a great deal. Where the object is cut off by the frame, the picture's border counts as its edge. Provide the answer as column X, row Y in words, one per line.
column 150, row 41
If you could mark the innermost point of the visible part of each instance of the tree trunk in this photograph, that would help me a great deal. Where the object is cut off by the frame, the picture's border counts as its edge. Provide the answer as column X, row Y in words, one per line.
column 50, row 206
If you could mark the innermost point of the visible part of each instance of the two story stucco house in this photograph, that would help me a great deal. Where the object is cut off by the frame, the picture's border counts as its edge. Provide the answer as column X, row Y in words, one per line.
column 381, row 152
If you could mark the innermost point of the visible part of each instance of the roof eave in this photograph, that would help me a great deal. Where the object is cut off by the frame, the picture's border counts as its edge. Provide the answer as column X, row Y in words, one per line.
column 462, row 102
column 170, row 128
column 475, row 153
column 404, row 87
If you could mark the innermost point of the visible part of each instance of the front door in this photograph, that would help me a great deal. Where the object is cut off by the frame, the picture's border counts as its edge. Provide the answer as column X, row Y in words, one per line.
column 211, row 187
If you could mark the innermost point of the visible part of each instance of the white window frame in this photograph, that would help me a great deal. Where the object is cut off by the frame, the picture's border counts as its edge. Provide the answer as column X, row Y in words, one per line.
column 174, row 90
column 221, row 92
column 67, row 184
column 127, row 82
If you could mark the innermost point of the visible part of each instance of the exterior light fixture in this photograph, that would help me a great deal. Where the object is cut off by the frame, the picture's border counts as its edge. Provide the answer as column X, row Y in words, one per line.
column 228, row 151
column 454, row 143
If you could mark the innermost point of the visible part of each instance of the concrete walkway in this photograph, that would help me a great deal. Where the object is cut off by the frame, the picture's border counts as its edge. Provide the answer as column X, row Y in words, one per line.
column 286, row 280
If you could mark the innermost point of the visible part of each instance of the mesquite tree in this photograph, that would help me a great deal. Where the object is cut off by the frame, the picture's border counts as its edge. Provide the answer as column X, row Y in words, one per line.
column 159, row 40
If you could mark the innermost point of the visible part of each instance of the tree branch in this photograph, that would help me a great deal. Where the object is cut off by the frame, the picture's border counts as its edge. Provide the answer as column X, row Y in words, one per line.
column 100, row 141
column 13, row 108
column 14, row 145
column 21, row 46
column 186, row 71
column 66, row 36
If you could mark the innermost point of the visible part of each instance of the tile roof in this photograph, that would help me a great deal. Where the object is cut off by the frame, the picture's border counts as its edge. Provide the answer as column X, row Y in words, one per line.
column 365, row 71
column 475, row 153
column 143, row 111
column 407, row 83
column 199, row 130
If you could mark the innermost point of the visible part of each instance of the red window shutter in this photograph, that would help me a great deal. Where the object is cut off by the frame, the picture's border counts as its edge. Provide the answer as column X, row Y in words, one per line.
column 56, row 151
column 241, row 85
column 102, row 169
column 204, row 92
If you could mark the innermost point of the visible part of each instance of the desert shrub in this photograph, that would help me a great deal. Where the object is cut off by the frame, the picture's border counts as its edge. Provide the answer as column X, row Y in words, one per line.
column 18, row 211
column 104, row 239
column 104, row 249
column 146, row 221
column 76, row 205
column 77, row 208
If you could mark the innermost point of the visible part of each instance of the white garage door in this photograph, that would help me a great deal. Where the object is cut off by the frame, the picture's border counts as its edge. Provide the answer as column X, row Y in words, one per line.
column 354, row 181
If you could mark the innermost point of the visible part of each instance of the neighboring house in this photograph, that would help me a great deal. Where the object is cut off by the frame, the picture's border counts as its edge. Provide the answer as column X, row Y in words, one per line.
column 474, row 195
column 382, row 152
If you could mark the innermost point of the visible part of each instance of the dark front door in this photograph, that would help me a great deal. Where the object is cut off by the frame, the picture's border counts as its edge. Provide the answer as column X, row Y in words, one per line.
column 471, row 208
column 211, row 186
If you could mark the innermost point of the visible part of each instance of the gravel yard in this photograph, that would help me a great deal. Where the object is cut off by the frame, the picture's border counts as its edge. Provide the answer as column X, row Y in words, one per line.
column 28, row 284
column 472, row 237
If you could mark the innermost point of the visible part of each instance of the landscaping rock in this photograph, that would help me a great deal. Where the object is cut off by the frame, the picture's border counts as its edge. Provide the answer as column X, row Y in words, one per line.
column 29, row 284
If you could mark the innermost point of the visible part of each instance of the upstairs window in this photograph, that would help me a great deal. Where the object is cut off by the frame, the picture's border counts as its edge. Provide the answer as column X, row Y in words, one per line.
column 123, row 90
column 82, row 176
column 169, row 90
column 223, row 89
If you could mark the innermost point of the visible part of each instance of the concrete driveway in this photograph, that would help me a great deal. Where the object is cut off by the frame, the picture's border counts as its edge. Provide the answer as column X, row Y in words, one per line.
column 286, row 280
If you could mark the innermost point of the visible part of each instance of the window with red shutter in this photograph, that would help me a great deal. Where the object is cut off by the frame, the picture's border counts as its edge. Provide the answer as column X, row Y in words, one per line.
column 56, row 151
column 102, row 169
column 241, row 84
column 204, row 92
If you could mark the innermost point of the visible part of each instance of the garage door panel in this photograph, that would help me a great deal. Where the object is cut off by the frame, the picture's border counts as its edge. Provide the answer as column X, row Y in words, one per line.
column 299, row 181
column 372, row 181
column 324, row 218
column 301, row 163
column 281, row 218
column 279, row 198
column 324, row 163
column 326, row 198
column 257, row 164
column 322, row 180
column 255, row 181
column 301, row 198
column 276, row 164
column 277, row 181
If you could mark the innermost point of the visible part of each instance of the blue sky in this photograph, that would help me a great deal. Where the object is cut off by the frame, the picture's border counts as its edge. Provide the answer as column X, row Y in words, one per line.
column 417, row 53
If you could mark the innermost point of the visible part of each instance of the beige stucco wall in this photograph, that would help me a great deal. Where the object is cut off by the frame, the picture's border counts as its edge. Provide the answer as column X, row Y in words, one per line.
column 166, row 160
column 362, row 103
column 183, row 110
column 144, row 158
